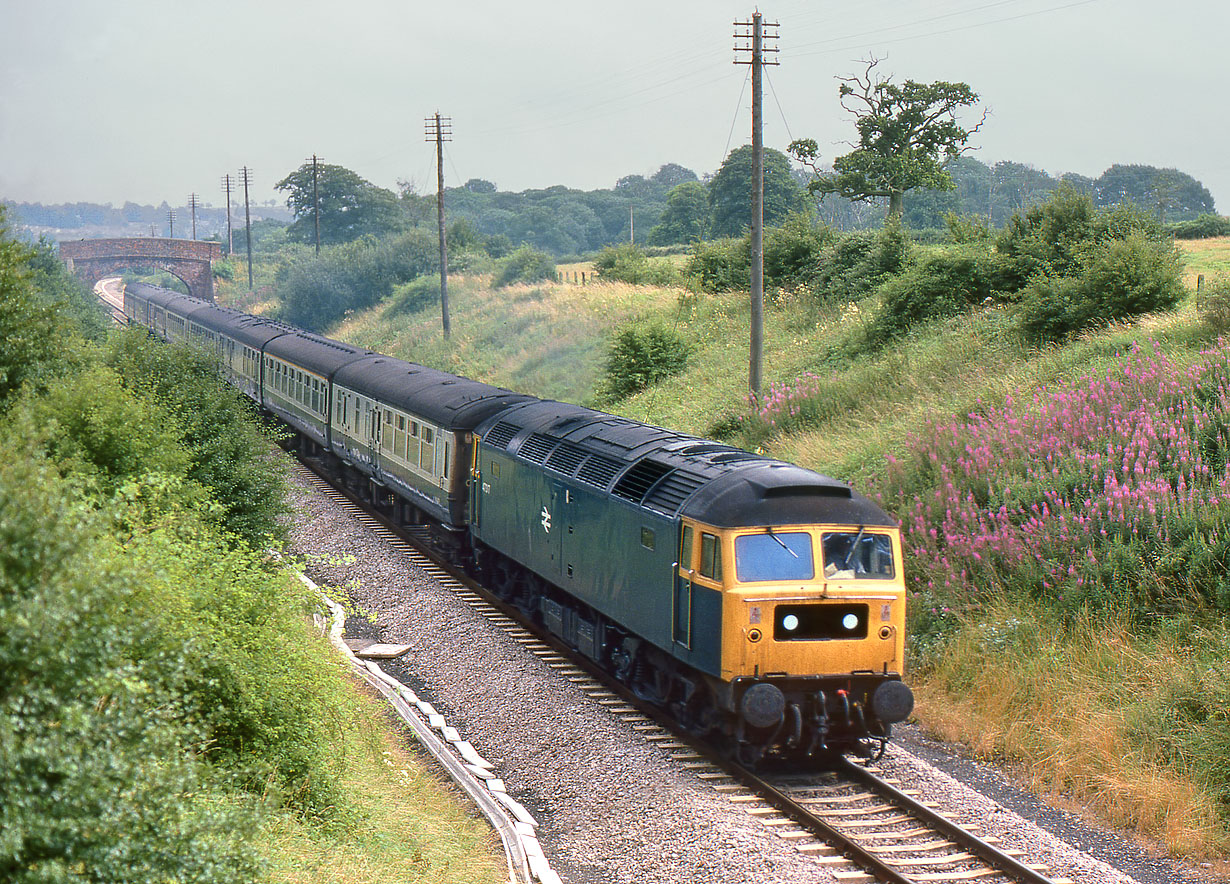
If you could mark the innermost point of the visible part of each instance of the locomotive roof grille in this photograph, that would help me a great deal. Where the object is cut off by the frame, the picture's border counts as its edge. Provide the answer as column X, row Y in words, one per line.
column 566, row 458
column 670, row 493
column 501, row 434
column 599, row 470
column 636, row 482
column 536, row 447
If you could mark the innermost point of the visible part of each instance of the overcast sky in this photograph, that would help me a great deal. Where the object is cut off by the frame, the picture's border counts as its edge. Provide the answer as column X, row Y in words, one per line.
column 150, row 100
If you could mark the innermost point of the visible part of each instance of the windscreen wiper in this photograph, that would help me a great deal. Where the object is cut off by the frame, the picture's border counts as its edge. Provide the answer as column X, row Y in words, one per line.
column 782, row 545
column 845, row 563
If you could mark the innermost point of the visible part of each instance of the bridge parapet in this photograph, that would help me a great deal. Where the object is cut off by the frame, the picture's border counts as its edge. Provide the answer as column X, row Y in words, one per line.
column 188, row 259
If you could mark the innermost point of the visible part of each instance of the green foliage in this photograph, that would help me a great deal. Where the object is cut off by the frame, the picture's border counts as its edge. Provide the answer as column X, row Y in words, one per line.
column 350, row 206
column 792, row 249
column 413, row 296
column 525, row 265
column 100, row 781
column 227, row 453
column 686, row 218
column 99, row 432
column 854, row 264
column 627, row 263
column 937, row 286
column 639, row 356
column 907, row 132
column 730, row 191
column 967, row 229
column 1201, row 227
column 721, row 265
column 1161, row 192
column 316, row 293
column 225, row 270
column 1117, row 279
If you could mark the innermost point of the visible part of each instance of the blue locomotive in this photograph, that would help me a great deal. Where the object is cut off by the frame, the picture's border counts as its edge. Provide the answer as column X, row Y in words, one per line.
column 761, row 604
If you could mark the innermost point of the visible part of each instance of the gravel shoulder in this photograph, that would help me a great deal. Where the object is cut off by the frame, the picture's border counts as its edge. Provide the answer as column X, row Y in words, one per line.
column 611, row 806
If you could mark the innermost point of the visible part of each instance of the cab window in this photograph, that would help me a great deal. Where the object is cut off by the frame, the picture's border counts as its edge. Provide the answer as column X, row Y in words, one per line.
column 685, row 549
column 857, row 555
column 710, row 557
column 774, row 556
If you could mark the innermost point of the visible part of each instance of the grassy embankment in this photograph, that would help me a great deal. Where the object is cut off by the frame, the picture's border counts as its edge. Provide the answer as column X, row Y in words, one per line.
column 1120, row 713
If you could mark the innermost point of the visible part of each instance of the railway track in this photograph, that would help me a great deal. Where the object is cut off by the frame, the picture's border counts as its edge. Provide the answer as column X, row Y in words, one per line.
column 859, row 826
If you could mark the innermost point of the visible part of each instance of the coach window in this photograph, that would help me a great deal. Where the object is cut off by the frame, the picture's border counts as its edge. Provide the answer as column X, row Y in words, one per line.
column 710, row 557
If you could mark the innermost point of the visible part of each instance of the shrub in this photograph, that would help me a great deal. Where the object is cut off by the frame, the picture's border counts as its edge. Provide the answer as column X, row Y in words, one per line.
column 227, row 452
column 792, row 249
column 525, row 265
column 318, row 292
column 940, row 285
column 721, row 265
column 1116, row 279
column 640, row 356
column 1201, row 227
column 856, row 263
column 629, row 264
column 416, row 295
column 967, row 229
column 100, row 782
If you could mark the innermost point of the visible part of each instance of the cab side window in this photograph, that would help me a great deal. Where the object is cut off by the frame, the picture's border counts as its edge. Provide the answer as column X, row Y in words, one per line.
column 710, row 557
column 685, row 549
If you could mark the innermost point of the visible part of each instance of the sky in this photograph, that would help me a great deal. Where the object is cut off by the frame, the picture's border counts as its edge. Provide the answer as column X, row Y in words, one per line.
column 151, row 100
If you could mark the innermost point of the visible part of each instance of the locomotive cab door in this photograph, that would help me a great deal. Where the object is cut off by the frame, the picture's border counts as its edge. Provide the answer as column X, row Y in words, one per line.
column 685, row 574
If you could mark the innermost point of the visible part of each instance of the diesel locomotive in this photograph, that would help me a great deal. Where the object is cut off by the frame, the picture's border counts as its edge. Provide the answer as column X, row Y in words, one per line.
column 761, row 604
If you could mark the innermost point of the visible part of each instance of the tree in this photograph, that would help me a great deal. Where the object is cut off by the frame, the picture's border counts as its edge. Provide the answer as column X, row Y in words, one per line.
column 730, row 191
column 1167, row 192
column 907, row 132
column 350, row 206
column 686, row 217
column 672, row 175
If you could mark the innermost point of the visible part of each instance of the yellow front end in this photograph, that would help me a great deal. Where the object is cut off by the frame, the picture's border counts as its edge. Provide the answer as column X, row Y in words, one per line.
column 812, row 601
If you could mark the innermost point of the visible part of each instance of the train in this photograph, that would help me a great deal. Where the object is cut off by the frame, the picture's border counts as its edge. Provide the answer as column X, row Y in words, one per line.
column 761, row 605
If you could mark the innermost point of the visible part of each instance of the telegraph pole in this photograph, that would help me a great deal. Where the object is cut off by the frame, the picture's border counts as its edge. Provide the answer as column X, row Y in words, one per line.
column 245, row 178
column 171, row 222
column 440, row 129
column 754, row 31
column 316, row 200
column 230, row 237
column 192, row 204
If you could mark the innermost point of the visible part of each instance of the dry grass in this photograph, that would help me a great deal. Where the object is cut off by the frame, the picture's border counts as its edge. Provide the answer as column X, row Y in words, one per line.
column 1210, row 257
column 403, row 825
column 547, row 339
column 1084, row 737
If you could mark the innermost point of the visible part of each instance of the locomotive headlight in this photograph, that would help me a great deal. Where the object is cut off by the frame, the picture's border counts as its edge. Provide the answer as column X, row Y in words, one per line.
column 790, row 623
column 850, row 622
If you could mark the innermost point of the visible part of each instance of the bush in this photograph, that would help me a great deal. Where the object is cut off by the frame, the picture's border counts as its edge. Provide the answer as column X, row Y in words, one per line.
column 640, row 356
column 416, row 295
column 721, row 265
column 525, row 265
column 1202, row 227
column 100, row 782
column 629, row 264
column 938, row 286
column 227, row 453
column 792, row 250
column 318, row 292
column 856, row 263
column 1115, row 280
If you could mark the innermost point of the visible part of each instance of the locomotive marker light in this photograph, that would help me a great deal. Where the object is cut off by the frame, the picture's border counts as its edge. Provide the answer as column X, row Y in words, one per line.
column 850, row 621
column 790, row 622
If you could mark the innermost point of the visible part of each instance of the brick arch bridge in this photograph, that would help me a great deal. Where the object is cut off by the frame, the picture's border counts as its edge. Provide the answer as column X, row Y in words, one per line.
column 189, row 260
